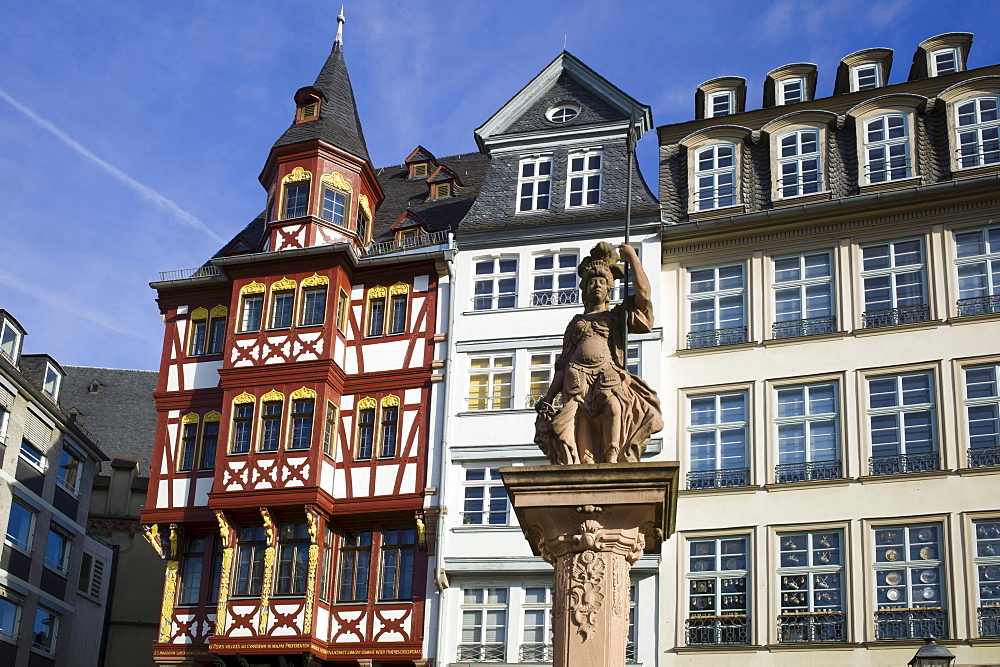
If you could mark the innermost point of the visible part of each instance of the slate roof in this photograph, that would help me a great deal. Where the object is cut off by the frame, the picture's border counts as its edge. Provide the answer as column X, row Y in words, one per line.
column 338, row 123
column 121, row 414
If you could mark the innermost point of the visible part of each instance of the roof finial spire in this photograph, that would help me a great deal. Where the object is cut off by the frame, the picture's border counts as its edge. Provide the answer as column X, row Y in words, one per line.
column 340, row 27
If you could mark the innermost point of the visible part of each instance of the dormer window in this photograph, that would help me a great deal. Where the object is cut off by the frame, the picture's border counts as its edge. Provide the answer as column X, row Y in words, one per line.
column 418, row 170
column 562, row 113
column 10, row 340
column 534, row 184
column 308, row 103
column 865, row 77
column 792, row 91
column 944, row 61
column 53, row 378
column 722, row 96
column 721, row 104
column 441, row 190
column 585, row 178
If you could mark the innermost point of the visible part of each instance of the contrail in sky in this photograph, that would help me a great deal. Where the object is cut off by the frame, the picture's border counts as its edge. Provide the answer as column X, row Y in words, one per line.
column 59, row 299
column 143, row 190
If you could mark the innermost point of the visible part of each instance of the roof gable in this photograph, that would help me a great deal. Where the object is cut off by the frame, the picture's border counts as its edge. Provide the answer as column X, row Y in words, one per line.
column 420, row 154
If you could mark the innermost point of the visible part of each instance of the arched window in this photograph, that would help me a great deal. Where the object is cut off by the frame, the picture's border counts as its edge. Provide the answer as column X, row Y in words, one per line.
column 715, row 175
column 800, row 163
column 977, row 128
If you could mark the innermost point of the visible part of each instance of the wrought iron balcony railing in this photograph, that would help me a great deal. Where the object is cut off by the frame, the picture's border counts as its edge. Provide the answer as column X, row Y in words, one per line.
column 532, row 399
column 989, row 621
column 886, row 317
column 421, row 240
column 535, row 653
column 183, row 274
column 911, row 623
column 631, row 653
column 900, row 463
column 482, row 652
column 807, row 327
column 818, row 627
column 980, row 305
column 555, row 297
column 716, row 337
column 708, row 630
column 713, row 479
column 981, row 457
column 806, row 472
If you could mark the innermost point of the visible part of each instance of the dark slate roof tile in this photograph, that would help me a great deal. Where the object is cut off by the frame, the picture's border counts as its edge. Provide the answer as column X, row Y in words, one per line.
column 592, row 108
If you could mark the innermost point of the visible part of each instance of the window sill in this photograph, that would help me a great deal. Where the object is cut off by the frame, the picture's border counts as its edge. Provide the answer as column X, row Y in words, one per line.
column 888, row 185
column 276, row 329
column 238, row 454
column 49, row 655
column 68, row 489
column 799, row 200
column 787, row 486
column 718, row 648
column 693, row 351
column 904, row 476
column 982, row 470
column 984, row 641
column 503, row 411
column 898, row 643
column 809, row 338
column 484, row 528
column 216, row 356
column 316, row 325
column 973, row 172
column 17, row 547
column 972, row 319
column 62, row 573
column 719, row 489
column 893, row 328
column 721, row 212
column 39, row 468
column 813, row 646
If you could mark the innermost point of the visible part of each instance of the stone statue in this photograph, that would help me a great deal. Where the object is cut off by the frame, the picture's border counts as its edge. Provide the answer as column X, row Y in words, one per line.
column 607, row 413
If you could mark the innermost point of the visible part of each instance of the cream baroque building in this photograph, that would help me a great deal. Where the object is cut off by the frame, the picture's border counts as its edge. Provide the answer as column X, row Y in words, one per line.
column 834, row 270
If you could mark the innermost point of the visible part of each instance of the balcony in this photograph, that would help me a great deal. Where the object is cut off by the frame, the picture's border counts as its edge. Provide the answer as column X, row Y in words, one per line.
column 715, row 479
column 887, row 317
column 806, row 472
column 806, row 627
column 715, row 630
column 980, row 305
column 532, row 399
column 808, row 327
column 900, row 463
column 911, row 623
column 555, row 298
column 482, row 652
column 183, row 274
column 989, row 621
column 421, row 240
column 716, row 337
column 981, row 457
column 535, row 653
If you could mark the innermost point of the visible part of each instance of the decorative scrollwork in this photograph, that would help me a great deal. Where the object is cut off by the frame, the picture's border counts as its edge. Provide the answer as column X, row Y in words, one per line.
column 169, row 593
column 191, row 418
column 337, row 180
column 245, row 397
column 265, row 586
column 227, row 566
column 313, row 521
column 297, row 174
column 199, row 314
column 219, row 311
column 390, row 401
column 283, row 285
column 399, row 288
column 377, row 292
column 253, row 288
column 586, row 578
column 273, row 395
column 213, row 416
column 367, row 403
column 152, row 535
column 315, row 280
column 303, row 392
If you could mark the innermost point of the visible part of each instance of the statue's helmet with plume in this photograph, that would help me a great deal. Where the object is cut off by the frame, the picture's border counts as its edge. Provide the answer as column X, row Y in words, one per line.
column 603, row 261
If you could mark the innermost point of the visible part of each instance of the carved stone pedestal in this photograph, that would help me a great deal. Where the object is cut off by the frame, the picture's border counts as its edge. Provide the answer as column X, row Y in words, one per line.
column 593, row 522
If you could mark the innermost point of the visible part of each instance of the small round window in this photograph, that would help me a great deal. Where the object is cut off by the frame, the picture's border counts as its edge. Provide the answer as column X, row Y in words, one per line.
column 562, row 113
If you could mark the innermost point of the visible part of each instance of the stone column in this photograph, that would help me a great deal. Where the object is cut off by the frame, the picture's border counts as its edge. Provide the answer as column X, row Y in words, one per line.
column 593, row 522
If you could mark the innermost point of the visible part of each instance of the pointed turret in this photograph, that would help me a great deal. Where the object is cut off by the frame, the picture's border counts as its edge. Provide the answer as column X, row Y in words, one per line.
column 337, row 122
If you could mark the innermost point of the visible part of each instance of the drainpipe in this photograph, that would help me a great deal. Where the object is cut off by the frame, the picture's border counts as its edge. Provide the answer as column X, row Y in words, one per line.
column 108, row 604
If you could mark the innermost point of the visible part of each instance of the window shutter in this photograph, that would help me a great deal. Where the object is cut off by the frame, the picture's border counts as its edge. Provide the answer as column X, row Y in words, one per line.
column 97, row 579
column 36, row 432
column 6, row 399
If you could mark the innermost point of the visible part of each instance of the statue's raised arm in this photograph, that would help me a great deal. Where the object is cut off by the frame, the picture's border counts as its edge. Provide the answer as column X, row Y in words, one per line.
column 607, row 413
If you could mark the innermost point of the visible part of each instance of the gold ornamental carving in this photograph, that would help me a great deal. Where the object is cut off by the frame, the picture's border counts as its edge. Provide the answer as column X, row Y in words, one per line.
column 297, row 174
column 315, row 280
column 377, row 292
column 199, row 314
column 243, row 398
column 152, row 535
column 367, row 403
column 272, row 395
column 219, row 311
column 282, row 285
column 265, row 586
column 337, row 180
column 311, row 579
column 365, row 206
column 224, row 575
column 253, row 288
column 213, row 417
column 303, row 392
column 169, row 593
column 190, row 418
column 390, row 401
column 174, row 552
column 399, row 288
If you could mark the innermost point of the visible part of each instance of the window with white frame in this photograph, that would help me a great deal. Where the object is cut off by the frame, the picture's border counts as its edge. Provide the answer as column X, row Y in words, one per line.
column 486, row 502
column 717, row 576
column 806, row 422
column 800, row 163
column 978, row 130
column 554, row 279
column 982, row 409
column 715, row 177
column 91, row 579
column 977, row 262
column 887, row 148
column 45, row 631
column 296, row 200
column 584, row 177
column 893, row 279
column 534, row 185
column 791, row 91
column 33, row 455
column 251, row 312
column 484, row 625
column 4, row 423
column 901, row 423
column 10, row 339
column 282, row 306
column 334, row 206
column 720, row 104
column 803, row 295
column 536, row 630
column 11, row 605
column 717, row 299
column 810, row 578
column 20, row 526
column 70, row 470
column 909, row 586
column 490, row 379
column 866, row 77
column 53, row 378
column 717, row 436
column 57, row 549
column 944, row 61
column 987, row 564
column 541, row 368
column 495, row 283
column 633, row 359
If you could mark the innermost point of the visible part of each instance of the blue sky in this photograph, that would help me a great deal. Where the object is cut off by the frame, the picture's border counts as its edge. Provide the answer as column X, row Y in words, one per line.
column 132, row 134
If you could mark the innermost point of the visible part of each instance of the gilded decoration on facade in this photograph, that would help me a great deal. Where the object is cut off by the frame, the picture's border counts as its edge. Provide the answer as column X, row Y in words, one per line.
column 282, row 285
column 265, row 586
column 245, row 397
column 191, row 418
column 199, row 314
column 169, row 593
column 377, row 292
column 253, row 288
column 173, row 541
column 315, row 280
column 272, row 395
column 365, row 206
column 219, row 311
column 367, row 403
column 399, row 288
column 311, row 579
column 297, row 174
column 224, row 575
column 337, row 180
column 152, row 535
column 304, row 392
column 213, row 417
column 390, row 401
